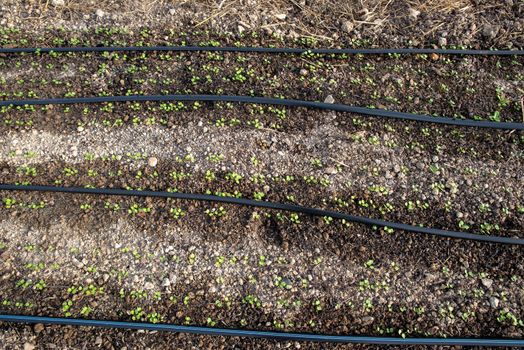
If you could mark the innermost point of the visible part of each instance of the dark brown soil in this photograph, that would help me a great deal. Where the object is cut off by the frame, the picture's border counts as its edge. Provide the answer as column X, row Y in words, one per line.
column 480, row 88
column 113, row 174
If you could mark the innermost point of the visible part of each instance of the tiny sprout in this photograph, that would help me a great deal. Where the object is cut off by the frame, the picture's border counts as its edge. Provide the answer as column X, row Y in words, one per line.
column 463, row 225
column 177, row 213
column 327, row 219
column 234, row 177
column 220, row 260
column 136, row 314
column 8, row 202
column 40, row 285
column 154, row 317
column 216, row 212
column 316, row 163
column 388, row 230
column 317, row 305
column 294, row 218
column 258, row 195
column 85, row 206
column 370, row 264
column 86, row 310
column 66, row 306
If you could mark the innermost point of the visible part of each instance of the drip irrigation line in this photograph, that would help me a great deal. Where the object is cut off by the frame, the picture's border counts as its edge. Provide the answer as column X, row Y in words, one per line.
column 268, row 205
column 376, row 112
column 288, row 50
column 279, row 336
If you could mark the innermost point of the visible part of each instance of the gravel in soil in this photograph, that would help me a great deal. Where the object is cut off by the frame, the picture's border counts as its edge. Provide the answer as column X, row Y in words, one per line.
column 438, row 179
column 255, row 271
column 221, row 265
column 227, row 266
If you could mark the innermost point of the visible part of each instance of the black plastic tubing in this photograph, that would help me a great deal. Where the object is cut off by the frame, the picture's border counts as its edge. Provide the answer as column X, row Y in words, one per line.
column 377, row 51
column 269, row 205
column 280, row 336
column 273, row 101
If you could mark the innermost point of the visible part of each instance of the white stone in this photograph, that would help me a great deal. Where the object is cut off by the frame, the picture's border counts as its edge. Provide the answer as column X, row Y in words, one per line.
column 494, row 302
column 347, row 26
column 152, row 162
column 486, row 282
column 29, row 346
column 414, row 13
column 329, row 99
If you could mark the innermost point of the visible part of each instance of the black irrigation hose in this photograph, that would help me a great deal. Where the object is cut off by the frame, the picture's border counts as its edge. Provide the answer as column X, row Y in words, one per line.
column 262, row 50
column 273, row 101
column 279, row 336
column 269, row 205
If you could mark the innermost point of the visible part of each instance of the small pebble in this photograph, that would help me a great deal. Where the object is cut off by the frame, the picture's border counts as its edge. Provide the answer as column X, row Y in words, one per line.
column 490, row 31
column 494, row 302
column 486, row 282
column 348, row 26
column 329, row 99
column 100, row 13
column 152, row 162
column 413, row 13
column 39, row 327
column 367, row 320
